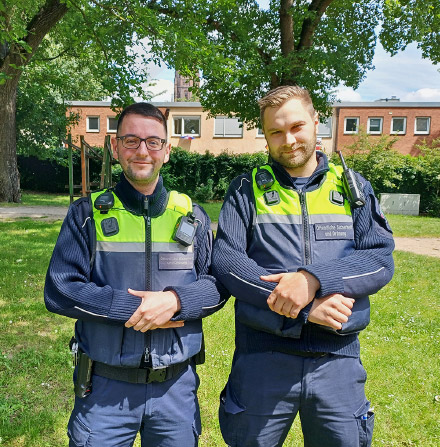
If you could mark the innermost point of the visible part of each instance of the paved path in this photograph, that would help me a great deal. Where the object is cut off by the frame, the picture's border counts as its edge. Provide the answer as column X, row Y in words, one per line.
column 422, row 246
column 34, row 212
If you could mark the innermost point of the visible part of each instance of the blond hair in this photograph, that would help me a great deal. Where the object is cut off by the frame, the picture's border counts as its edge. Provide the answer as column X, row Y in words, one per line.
column 278, row 96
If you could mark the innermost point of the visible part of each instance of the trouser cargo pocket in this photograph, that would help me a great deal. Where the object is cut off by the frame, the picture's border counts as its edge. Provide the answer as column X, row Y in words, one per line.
column 229, row 408
column 365, row 420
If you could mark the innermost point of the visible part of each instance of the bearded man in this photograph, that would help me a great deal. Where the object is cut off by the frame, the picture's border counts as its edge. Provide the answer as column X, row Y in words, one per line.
column 300, row 258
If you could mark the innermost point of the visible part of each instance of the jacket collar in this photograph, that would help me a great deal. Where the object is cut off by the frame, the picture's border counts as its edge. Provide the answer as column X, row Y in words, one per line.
column 134, row 201
column 314, row 180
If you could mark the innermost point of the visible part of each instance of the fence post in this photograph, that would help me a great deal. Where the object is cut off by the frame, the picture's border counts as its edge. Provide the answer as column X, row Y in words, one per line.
column 85, row 180
column 69, row 145
column 106, row 170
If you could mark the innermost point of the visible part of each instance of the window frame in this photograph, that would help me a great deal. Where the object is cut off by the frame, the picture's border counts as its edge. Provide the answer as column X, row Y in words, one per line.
column 108, row 124
column 402, row 132
column 422, row 132
column 182, row 123
column 327, row 124
column 375, row 132
column 258, row 134
column 350, row 132
column 88, row 129
column 224, row 118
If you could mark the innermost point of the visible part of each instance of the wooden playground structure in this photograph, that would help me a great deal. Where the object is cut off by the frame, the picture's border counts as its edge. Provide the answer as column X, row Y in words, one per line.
column 87, row 152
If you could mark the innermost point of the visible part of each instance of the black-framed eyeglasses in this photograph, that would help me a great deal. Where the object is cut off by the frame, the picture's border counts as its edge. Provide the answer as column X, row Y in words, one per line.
column 133, row 142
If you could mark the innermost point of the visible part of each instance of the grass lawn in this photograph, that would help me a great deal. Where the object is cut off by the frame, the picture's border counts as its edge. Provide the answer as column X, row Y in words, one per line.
column 414, row 226
column 32, row 198
column 400, row 350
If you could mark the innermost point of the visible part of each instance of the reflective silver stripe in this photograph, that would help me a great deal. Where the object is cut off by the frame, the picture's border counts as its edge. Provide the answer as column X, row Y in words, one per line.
column 293, row 219
column 121, row 247
column 247, row 282
column 329, row 218
column 171, row 247
column 139, row 247
column 90, row 313
column 289, row 219
column 364, row 274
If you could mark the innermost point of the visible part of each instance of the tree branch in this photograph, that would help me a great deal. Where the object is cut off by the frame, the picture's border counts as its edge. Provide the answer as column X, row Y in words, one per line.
column 316, row 10
column 45, row 19
column 286, row 27
column 101, row 44
column 48, row 59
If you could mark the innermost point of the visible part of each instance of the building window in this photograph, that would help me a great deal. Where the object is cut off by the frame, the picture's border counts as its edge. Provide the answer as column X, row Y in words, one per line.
column 227, row 127
column 186, row 126
column 325, row 129
column 398, row 125
column 93, row 124
column 112, row 124
column 422, row 125
column 351, row 125
column 375, row 126
column 260, row 133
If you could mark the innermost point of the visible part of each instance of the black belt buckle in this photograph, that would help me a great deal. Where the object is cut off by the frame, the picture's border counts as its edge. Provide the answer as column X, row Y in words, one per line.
column 156, row 375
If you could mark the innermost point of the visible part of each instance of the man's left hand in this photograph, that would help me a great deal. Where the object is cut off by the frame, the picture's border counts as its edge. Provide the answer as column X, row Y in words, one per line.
column 155, row 311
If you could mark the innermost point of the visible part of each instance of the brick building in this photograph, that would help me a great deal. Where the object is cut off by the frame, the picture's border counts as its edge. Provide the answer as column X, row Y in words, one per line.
column 410, row 122
column 182, row 87
column 190, row 127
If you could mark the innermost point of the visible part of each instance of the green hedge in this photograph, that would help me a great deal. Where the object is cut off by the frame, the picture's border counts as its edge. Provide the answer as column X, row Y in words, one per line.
column 202, row 176
column 206, row 177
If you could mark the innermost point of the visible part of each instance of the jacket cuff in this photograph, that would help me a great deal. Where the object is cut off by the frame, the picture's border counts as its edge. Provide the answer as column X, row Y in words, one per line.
column 304, row 313
column 188, row 309
column 330, row 283
column 123, row 306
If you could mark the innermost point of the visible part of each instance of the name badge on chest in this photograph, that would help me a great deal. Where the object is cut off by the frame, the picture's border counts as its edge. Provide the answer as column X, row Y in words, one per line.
column 334, row 230
column 176, row 261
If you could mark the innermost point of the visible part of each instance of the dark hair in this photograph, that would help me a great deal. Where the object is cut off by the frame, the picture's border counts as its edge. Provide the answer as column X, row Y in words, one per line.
column 144, row 109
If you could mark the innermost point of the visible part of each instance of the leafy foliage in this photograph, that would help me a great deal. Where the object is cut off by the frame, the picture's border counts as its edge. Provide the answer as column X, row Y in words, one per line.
column 391, row 172
column 205, row 176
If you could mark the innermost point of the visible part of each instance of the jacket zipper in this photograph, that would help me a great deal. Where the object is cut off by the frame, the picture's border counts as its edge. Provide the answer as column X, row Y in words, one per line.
column 305, row 225
column 148, row 279
column 307, row 245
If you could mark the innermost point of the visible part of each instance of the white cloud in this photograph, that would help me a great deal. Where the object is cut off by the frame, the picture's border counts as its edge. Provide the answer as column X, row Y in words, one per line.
column 162, row 90
column 423, row 94
column 348, row 94
column 402, row 75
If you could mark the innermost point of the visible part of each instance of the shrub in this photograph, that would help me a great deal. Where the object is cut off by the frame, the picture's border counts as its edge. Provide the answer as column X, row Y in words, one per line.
column 392, row 172
column 205, row 176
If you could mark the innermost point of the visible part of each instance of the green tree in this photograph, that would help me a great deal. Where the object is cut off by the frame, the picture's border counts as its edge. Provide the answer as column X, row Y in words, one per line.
column 243, row 51
column 41, row 109
column 100, row 39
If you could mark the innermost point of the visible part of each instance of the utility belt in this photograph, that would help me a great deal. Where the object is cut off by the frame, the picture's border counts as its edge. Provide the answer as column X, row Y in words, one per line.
column 86, row 367
column 139, row 375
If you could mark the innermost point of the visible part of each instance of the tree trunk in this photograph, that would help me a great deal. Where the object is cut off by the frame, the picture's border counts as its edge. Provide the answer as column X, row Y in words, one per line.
column 12, row 58
column 9, row 176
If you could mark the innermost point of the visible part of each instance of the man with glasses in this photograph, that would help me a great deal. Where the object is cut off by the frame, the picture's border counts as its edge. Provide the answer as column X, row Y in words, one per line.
column 132, row 265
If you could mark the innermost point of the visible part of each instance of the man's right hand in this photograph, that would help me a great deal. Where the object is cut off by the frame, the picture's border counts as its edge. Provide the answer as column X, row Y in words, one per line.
column 331, row 310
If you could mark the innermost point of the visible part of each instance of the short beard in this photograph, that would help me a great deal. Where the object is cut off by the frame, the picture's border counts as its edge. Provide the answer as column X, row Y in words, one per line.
column 307, row 151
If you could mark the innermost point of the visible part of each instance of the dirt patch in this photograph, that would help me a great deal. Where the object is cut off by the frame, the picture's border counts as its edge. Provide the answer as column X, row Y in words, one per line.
column 419, row 245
